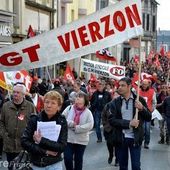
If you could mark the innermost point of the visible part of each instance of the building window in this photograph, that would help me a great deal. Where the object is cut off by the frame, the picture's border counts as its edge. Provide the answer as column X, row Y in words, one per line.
column 143, row 18
column 103, row 4
column 153, row 24
column 154, row 8
column 126, row 56
column 146, row 3
column 63, row 16
column 72, row 14
column 147, row 25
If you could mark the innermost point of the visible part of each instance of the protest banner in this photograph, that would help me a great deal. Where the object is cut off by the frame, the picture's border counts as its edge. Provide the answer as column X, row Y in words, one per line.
column 103, row 69
column 7, row 79
column 107, row 27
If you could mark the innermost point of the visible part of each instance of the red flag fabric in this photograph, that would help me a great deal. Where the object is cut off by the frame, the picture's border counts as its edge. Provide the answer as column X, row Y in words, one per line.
column 7, row 79
column 156, row 62
column 143, row 76
column 93, row 77
column 135, row 81
column 105, row 55
column 162, row 51
column 146, row 76
column 30, row 33
column 68, row 75
column 151, row 55
column 136, row 59
column 2, row 78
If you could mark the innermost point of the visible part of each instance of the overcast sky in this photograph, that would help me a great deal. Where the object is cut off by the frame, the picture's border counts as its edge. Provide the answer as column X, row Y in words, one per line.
column 163, row 14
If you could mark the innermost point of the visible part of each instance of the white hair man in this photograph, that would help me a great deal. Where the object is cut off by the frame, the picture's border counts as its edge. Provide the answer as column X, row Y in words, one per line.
column 14, row 117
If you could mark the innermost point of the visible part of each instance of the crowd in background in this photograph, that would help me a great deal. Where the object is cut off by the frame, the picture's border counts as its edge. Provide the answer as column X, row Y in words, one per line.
column 91, row 96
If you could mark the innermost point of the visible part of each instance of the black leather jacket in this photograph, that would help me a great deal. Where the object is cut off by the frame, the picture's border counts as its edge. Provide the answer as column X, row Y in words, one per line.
column 119, row 123
column 98, row 104
column 38, row 151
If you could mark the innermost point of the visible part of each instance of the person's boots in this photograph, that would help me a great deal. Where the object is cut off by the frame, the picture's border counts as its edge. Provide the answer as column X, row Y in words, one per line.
column 167, row 141
column 161, row 141
column 110, row 158
column 116, row 162
column 110, row 149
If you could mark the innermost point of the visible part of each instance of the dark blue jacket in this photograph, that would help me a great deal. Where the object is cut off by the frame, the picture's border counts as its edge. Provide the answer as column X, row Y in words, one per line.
column 119, row 123
column 166, row 106
column 97, row 103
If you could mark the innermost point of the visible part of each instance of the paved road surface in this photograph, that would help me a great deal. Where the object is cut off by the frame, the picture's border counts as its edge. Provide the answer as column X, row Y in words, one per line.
column 155, row 158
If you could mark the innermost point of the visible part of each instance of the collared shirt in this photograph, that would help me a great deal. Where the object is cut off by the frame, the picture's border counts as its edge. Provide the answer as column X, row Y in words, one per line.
column 127, row 114
column 35, row 100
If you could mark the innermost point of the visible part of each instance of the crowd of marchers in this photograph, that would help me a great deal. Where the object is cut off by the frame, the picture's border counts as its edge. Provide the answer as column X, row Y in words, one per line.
column 79, row 106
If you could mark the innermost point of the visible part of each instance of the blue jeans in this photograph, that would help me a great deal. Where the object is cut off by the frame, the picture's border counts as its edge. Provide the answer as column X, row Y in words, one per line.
column 97, row 122
column 146, row 127
column 56, row 166
column 74, row 153
column 135, row 153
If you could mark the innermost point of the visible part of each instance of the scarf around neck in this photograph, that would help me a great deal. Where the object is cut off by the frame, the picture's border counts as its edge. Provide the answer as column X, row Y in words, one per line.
column 78, row 112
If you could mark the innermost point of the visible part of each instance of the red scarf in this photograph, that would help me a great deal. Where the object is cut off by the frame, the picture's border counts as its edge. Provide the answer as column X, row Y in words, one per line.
column 78, row 112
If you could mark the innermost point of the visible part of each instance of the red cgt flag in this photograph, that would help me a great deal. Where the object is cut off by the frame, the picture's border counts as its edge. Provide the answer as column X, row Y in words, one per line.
column 105, row 55
column 162, row 51
column 68, row 75
column 30, row 33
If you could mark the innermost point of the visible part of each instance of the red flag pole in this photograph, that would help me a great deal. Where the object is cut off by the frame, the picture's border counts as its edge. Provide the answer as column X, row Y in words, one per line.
column 139, row 74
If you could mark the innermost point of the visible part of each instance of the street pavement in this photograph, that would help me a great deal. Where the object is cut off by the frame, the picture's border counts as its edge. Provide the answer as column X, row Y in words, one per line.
column 157, row 157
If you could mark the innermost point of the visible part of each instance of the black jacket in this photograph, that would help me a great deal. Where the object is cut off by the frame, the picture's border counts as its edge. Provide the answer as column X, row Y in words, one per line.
column 97, row 103
column 166, row 106
column 119, row 123
column 38, row 151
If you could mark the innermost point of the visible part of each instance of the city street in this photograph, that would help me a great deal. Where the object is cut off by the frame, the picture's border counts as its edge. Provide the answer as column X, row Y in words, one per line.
column 156, row 158
column 73, row 58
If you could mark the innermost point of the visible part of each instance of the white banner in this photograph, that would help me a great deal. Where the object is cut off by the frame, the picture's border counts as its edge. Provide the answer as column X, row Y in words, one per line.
column 103, row 69
column 105, row 28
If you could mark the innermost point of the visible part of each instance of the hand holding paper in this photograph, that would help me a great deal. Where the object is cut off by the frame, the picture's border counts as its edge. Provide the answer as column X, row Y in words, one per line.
column 37, row 136
column 49, row 130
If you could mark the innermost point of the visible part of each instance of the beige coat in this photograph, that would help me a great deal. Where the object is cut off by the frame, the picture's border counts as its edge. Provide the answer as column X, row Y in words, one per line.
column 79, row 134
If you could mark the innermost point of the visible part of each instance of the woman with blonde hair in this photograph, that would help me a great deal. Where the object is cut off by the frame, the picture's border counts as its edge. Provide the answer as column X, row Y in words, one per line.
column 46, row 153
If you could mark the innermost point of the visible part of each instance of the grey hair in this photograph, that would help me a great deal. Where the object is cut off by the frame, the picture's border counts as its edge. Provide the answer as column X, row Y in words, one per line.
column 23, row 87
